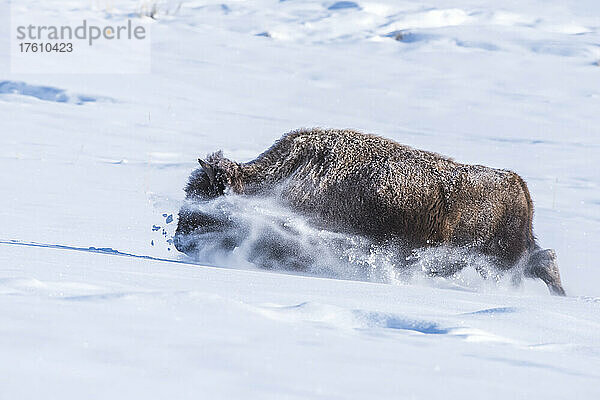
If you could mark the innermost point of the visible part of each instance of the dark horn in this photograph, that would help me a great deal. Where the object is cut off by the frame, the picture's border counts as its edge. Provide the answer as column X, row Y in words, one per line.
column 209, row 169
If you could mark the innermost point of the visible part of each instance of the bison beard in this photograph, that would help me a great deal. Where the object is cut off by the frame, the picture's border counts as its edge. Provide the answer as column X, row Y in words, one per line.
column 356, row 183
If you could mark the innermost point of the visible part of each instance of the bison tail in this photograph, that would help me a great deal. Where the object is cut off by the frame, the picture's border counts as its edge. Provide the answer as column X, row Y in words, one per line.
column 541, row 263
column 529, row 236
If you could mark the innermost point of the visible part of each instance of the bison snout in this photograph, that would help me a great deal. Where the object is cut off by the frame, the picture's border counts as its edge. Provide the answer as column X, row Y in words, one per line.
column 184, row 244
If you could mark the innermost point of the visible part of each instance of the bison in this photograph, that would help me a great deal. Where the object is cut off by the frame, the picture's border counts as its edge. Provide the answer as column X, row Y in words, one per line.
column 369, row 185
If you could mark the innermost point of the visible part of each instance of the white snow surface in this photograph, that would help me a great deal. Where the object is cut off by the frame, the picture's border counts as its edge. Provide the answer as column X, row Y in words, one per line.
column 95, row 304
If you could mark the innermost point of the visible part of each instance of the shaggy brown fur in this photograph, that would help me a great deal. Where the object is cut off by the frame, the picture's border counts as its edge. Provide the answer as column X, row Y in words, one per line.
column 376, row 187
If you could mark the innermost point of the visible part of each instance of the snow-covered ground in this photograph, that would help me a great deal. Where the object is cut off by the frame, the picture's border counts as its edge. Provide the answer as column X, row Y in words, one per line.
column 95, row 303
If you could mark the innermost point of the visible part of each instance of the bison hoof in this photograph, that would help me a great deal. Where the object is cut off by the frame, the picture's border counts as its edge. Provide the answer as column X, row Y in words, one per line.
column 557, row 290
column 542, row 264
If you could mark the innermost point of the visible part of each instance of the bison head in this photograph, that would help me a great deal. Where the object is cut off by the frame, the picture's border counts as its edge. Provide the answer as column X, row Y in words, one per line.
column 205, row 183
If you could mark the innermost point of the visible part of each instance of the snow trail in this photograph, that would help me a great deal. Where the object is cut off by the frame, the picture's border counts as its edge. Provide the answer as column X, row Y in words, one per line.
column 92, row 249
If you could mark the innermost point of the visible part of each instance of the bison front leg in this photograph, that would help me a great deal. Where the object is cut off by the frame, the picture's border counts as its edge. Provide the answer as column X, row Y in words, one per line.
column 542, row 264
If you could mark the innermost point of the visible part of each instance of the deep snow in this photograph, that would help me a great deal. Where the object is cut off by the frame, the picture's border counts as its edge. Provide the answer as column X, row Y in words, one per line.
column 98, row 160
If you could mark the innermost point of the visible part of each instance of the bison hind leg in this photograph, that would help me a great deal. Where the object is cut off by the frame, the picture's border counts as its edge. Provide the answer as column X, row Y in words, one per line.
column 542, row 264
